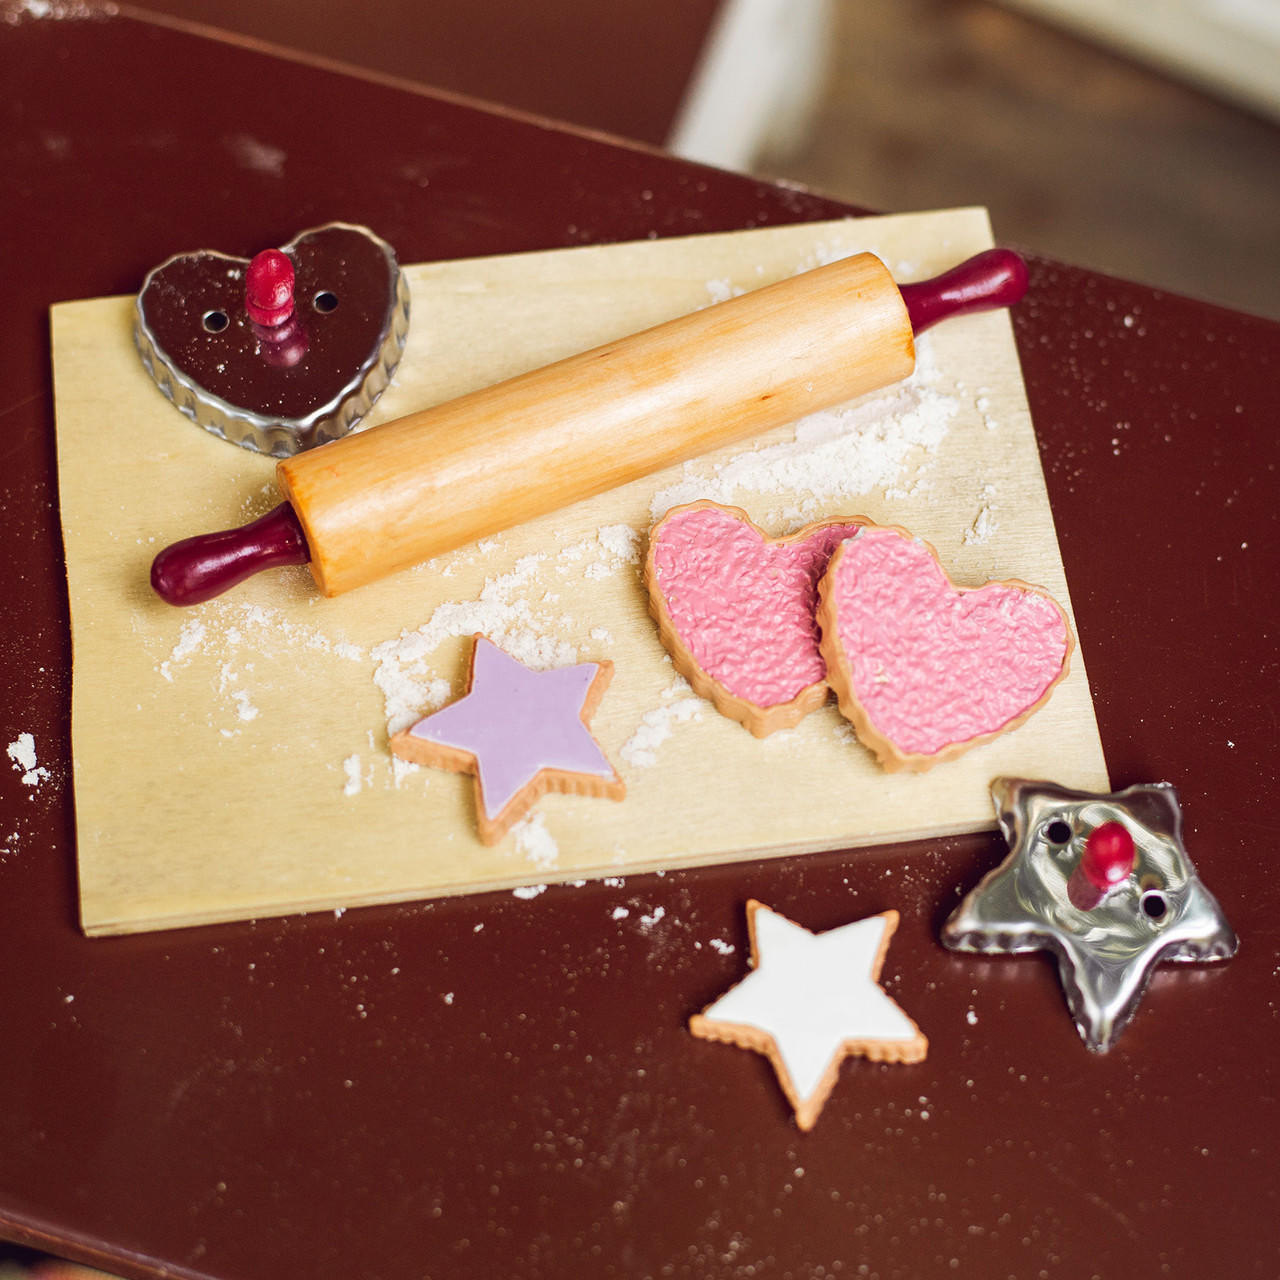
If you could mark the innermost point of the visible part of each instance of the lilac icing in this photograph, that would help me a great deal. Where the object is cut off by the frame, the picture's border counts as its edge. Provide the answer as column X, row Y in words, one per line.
column 517, row 722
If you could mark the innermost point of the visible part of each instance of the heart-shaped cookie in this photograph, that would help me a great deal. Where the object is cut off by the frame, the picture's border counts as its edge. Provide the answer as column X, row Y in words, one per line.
column 735, row 609
column 925, row 669
column 278, row 387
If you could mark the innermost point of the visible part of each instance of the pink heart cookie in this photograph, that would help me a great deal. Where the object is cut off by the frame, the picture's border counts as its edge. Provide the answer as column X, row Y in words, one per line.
column 924, row 669
column 735, row 609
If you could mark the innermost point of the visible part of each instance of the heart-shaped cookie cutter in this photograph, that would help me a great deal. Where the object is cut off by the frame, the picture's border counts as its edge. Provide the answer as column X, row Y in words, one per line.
column 250, row 383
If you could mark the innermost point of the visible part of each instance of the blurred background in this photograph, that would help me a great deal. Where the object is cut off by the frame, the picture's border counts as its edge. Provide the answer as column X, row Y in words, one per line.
column 1137, row 137
column 1140, row 138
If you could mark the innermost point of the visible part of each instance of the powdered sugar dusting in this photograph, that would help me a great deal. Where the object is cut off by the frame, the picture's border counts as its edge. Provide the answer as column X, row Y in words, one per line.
column 654, row 917
column 535, row 843
column 723, row 290
column 620, row 541
column 22, row 751
column 679, row 706
column 190, row 640
column 881, row 441
column 228, row 627
column 240, row 638
column 354, row 778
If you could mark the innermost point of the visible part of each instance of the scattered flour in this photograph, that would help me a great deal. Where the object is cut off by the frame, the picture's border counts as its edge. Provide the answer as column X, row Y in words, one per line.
column 244, row 707
column 22, row 751
column 653, row 918
column 535, row 842
column 835, row 454
column 354, row 778
column 614, row 546
column 401, row 769
column 620, row 544
column 190, row 640
column 232, row 632
column 621, row 541
column 528, row 891
column 244, row 639
column 680, row 705
column 723, row 290
column 983, row 406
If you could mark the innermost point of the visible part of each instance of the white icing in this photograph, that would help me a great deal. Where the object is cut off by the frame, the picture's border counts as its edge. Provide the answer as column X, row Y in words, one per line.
column 812, row 992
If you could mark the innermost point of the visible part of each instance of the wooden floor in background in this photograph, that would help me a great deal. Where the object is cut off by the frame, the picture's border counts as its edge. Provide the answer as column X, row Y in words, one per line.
column 1079, row 153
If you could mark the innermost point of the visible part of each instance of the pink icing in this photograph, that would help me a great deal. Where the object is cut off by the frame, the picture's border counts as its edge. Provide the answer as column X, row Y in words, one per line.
column 932, row 664
column 742, row 605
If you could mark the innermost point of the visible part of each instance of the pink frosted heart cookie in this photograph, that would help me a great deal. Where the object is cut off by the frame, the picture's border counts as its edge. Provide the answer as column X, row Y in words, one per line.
column 924, row 669
column 735, row 609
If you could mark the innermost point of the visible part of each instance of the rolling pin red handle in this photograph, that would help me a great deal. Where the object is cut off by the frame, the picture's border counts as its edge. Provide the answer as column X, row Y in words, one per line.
column 199, row 568
column 985, row 282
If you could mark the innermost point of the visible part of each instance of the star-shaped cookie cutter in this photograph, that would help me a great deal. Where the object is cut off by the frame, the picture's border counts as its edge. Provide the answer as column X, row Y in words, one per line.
column 1104, row 883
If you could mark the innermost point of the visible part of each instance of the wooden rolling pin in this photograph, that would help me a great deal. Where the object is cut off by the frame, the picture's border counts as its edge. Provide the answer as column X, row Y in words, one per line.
column 403, row 492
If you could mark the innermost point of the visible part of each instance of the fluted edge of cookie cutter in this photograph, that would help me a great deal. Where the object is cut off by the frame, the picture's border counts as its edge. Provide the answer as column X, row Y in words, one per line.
column 262, row 433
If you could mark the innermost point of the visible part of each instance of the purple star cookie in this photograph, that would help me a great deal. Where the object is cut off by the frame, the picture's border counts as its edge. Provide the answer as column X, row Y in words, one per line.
column 521, row 733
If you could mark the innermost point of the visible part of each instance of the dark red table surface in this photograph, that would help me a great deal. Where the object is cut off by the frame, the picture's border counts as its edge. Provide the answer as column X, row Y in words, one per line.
column 296, row 1097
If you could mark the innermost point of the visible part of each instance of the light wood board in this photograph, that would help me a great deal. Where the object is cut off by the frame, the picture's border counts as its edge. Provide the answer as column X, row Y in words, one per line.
column 231, row 760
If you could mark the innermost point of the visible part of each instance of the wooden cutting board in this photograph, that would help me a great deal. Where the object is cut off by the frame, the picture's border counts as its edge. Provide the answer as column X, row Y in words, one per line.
column 231, row 760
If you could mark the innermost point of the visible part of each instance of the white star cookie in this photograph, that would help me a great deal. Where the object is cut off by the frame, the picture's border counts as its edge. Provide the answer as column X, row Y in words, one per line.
column 810, row 1001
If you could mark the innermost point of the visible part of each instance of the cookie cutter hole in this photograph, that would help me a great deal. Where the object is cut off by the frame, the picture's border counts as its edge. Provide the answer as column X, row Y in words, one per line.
column 215, row 321
column 325, row 301
column 1057, row 831
column 1154, row 905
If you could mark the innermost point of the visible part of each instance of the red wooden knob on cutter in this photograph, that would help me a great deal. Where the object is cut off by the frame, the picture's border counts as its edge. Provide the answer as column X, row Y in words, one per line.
column 400, row 493
column 268, row 288
column 1107, row 861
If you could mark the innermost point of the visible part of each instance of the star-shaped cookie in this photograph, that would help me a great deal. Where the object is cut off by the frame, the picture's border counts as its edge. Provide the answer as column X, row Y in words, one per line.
column 810, row 1001
column 1108, row 940
column 521, row 733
